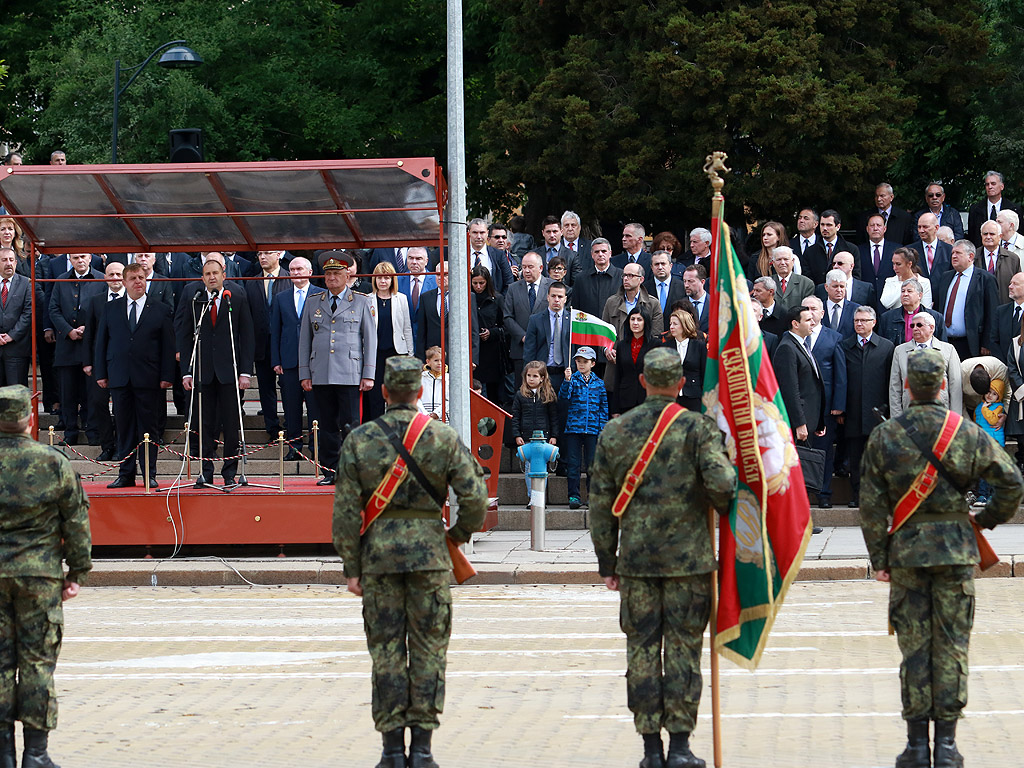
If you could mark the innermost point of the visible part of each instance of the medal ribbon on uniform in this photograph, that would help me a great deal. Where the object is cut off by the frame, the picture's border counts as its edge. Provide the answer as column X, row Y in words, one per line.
column 636, row 472
column 387, row 487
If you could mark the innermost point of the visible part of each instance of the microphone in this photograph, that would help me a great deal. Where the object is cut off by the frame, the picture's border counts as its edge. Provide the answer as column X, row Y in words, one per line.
column 226, row 294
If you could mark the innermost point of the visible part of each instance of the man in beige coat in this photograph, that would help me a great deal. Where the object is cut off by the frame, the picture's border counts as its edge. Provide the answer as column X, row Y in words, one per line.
column 923, row 329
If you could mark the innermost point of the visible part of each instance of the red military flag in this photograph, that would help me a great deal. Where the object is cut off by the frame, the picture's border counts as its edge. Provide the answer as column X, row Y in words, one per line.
column 763, row 538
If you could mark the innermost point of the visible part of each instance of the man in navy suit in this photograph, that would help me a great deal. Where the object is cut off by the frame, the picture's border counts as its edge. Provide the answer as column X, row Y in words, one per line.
column 428, row 321
column 966, row 299
column 260, row 294
column 948, row 216
column 134, row 360
column 633, row 248
column 826, row 346
column 1008, row 320
column 540, row 333
column 858, row 291
column 480, row 254
column 693, row 282
column 876, row 253
column 838, row 312
column 900, row 225
column 190, row 267
column 224, row 361
column 285, row 311
column 989, row 208
column 417, row 283
column 662, row 284
column 67, row 311
column 933, row 255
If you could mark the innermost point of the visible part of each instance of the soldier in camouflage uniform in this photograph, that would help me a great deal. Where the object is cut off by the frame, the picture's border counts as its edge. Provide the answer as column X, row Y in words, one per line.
column 44, row 518
column 929, row 560
column 659, row 555
column 401, row 565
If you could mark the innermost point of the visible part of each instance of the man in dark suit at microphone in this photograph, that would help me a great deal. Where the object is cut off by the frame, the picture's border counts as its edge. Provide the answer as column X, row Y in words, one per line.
column 134, row 360
column 223, row 361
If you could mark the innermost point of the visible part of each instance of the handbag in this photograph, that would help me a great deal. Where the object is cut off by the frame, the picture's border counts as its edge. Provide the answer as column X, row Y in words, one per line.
column 812, row 464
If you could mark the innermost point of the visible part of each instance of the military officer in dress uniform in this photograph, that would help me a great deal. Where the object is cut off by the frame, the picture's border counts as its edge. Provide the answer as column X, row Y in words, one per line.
column 44, row 518
column 917, row 527
column 658, row 553
column 337, row 355
column 400, row 564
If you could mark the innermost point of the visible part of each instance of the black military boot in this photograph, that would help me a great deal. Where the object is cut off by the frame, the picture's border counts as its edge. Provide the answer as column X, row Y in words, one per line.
column 679, row 754
column 419, row 749
column 946, row 753
column 653, row 755
column 8, row 755
column 393, row 755
column 35, row 755
column 917, row 754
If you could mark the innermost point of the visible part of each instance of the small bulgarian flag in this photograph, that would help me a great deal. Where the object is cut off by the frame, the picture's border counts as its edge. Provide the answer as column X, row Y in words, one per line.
column 588, row 330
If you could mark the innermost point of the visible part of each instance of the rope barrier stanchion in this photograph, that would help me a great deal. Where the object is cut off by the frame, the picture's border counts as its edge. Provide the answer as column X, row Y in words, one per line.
column 51, row 435
column 145, row 466
column 280, row 460
column 316, row 449
column 188, row 463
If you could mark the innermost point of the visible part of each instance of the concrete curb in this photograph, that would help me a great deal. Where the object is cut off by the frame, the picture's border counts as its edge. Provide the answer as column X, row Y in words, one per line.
column 216, row 572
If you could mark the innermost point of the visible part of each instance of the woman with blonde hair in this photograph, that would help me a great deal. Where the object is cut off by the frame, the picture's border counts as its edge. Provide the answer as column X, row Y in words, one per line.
column 12, row 237
column 390, row 311
column 685, row 337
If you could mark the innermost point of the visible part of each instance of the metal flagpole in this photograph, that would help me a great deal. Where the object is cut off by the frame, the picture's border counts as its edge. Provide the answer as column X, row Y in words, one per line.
column 715, row 162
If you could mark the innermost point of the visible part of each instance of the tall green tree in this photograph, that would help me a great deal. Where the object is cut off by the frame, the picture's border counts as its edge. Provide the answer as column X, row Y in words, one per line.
column 293, row 79
column 613, row 106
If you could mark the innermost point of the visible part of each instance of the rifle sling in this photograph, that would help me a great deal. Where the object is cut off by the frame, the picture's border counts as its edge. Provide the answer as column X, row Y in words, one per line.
column 412, row 466
column 926, row 451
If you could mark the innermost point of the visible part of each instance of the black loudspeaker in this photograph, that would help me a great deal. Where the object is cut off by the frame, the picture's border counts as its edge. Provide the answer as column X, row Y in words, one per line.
column 186, row 145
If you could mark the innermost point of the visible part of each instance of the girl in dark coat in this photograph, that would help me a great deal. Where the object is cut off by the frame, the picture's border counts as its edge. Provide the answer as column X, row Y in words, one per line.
column 535, row 405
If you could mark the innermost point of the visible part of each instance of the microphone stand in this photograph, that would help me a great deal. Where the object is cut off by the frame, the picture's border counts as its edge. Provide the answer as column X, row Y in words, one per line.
column 242, row 479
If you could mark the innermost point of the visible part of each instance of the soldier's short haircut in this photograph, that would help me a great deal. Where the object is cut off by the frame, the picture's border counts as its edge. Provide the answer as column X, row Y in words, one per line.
column 914, row 283
column 702, row 233
column 997, row 174
column 832, row 214
column 571, row 216
column 702, row 274
column 835, row 276
column 864, row 309
column 767, row 282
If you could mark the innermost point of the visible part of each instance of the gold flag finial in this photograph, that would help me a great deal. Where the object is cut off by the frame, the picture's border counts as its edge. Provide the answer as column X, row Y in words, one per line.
column 715, row 163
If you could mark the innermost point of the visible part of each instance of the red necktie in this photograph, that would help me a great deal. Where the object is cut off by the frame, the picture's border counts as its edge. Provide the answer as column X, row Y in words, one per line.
column 991, row 262
column 829, row 246
column 3, row 294
column 213, row 312
column 952, row 299
column 571, row 247
column 783, row 285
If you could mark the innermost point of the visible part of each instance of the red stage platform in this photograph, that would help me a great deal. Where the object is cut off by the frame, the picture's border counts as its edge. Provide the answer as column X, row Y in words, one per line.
column 246, row 515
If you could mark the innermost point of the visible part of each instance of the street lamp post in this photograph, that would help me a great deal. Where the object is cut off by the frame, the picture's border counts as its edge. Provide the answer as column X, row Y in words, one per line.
column 178, row 57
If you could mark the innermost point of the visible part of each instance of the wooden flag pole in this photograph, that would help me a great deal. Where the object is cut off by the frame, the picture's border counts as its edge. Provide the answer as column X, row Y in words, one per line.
column 715, row 162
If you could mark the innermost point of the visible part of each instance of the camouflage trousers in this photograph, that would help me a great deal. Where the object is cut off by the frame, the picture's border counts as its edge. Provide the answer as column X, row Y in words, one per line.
column 664, row 621
column 932, row 611
column 408, row 620
column 31, row 629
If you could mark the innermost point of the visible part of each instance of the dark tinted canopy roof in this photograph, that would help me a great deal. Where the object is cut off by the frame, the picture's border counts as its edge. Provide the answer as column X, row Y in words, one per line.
column 227, row 206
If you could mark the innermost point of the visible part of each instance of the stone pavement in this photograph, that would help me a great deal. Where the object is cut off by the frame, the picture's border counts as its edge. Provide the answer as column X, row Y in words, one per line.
column 279, row 677
column 505, row 557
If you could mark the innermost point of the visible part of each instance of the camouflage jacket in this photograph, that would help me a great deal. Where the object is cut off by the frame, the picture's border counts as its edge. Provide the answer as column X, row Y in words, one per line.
column 939, row 532
column 409, row 535
column 664, row 531
column 44, row 512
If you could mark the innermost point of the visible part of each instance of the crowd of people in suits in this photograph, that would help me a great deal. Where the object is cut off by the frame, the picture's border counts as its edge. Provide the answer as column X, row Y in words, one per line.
column 837, row 303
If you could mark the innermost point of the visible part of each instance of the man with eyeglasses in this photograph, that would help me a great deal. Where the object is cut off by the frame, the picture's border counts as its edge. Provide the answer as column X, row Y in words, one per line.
column 923, row 329
column 857, row 291
column 947, row 215
column 895, row 325
column 867, row 353
column 631, row 293
column 498, row 240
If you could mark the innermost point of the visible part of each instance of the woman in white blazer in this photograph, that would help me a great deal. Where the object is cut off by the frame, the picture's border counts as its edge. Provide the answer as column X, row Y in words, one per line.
column 390, row 311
